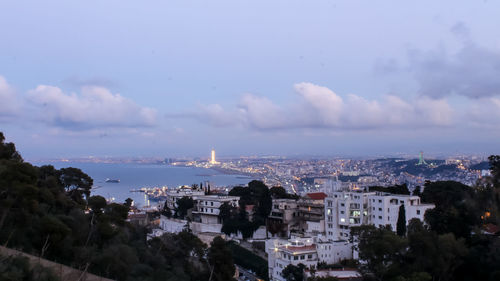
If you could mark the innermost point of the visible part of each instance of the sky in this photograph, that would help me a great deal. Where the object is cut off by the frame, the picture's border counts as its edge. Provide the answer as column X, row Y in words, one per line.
column 178, row 78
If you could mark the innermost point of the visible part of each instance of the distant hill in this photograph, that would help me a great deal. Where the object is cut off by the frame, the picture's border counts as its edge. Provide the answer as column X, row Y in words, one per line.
column 485, row 165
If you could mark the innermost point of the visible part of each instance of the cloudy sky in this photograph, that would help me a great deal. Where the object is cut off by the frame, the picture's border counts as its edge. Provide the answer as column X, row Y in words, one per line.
column 176, row 78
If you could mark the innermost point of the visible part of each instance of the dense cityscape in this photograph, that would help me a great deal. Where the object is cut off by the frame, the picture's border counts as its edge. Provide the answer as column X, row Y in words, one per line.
column 307, row 226
column 257, row 140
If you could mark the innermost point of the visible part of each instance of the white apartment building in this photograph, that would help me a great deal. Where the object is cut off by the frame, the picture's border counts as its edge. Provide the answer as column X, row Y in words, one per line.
column 206, row 209
column 344, row 209
column 205, row 215
column 308, row 251
column 184, row 191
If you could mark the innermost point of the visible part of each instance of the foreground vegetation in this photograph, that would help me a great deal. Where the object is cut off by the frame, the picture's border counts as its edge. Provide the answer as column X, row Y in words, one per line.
column 51, row 213
column 452, row 245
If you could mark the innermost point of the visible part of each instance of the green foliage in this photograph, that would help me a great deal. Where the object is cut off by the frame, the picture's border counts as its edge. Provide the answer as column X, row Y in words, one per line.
column 183, row 205
column 425, row 254
column 382, row 250
column 456, row 208
column 97, row 203
column 49, row 212
column 293, row 273
column 8, row 150
column 396, row 189
column 249, row 260
column 221, row 260
column 76, row 183
column 278, row 192
column 257, row 194
column 401, row 224
column 417, row 191
column 495, row 168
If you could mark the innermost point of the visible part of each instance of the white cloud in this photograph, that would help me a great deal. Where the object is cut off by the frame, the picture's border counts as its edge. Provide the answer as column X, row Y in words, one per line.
column 215, row 115
column 262, row 113
column 94, row 107
column 484, row 112
column 9, row 102
column 320, row 107
column 324, row 102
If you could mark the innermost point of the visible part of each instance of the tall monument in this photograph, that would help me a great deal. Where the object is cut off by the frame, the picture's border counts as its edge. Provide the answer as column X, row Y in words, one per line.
column 421, row 160
column 212, row 159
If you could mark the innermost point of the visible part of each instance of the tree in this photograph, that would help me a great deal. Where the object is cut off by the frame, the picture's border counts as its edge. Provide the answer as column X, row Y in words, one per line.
column 456, row 208
column 382, row 250
column 257, row 194
column 401, row 224
column 129, row 202
column 294, row 273
column 220, row 260
column 495, row 168
column 183, row 205
column 76, row 183
column 42, row 212
column 395, row 189
column 417, row 191
column 278, row 192
column 97, row 203
column 8, row 150
column 166, row 211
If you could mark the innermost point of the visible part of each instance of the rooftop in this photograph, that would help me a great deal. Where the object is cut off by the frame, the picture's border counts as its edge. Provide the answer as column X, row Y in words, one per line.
column 317, row 195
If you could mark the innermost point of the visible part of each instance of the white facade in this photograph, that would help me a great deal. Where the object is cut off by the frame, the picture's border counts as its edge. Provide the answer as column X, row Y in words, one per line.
column 332, row 252
column 206, row 209
column 343, row 210
column 385, row 208
column 346, row 209
column 185, row 191
column 308, row 251
column 172, row 225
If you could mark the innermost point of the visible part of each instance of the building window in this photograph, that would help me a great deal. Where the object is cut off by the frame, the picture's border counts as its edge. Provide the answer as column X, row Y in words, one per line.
column 341, row 212
column 379, row 217
column 342, row 204
column 380, row 201
column 211, row 203
column 295, row 258
column 418, row 212
column 380, row 209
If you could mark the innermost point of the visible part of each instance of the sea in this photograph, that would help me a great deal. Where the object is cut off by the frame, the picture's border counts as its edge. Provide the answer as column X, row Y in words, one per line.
column 136, row 176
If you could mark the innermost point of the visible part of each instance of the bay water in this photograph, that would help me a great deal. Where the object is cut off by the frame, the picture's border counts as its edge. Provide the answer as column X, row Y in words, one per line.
column 136, row 176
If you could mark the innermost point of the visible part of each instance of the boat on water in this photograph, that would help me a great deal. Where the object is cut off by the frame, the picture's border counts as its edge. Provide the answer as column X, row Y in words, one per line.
column 112, row 180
